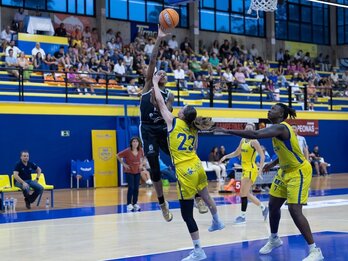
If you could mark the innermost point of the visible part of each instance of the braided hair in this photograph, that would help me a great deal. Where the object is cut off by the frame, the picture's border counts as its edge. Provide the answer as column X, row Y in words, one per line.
column 287, row 111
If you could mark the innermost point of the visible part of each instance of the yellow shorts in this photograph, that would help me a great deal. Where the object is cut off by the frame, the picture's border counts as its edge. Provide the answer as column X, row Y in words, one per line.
column 250, row 174
column 293, row 185
column 191, row 179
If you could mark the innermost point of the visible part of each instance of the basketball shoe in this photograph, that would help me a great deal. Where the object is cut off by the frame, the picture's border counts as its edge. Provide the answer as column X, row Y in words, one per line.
column 270, row 245
column 168, row 216
column 195, row 255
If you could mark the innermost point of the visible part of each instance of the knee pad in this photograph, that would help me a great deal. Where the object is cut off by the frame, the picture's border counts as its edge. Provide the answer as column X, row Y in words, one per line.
column 155, row 171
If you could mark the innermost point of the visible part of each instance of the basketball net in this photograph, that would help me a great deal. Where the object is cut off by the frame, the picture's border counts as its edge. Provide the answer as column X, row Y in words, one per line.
column 262, row 5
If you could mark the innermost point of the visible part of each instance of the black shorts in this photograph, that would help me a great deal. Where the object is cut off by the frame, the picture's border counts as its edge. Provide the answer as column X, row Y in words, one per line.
column 154, row 138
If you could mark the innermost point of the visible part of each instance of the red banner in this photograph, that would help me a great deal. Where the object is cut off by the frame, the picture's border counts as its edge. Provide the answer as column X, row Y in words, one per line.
column 306, row 127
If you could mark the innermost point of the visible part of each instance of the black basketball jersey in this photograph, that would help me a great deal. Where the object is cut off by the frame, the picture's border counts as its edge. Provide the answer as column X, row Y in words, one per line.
column 148, row 112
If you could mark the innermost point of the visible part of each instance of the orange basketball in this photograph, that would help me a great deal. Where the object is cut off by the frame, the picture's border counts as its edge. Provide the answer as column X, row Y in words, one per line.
column 168, row 18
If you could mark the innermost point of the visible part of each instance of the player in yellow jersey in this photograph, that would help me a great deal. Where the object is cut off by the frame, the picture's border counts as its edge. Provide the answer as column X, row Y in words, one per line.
column 248, row 149
column 192, row 179
column 292, row 181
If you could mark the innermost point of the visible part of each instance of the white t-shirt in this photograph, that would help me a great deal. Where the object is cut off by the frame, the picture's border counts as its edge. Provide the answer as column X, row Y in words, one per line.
column 302, row 142
column 173, row 44
column 179, row 74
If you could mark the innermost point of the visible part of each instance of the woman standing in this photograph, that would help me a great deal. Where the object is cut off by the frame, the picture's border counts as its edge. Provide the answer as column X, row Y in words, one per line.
column 248, row 149
column 293, row 180
column 132, row 160
column 182, row 141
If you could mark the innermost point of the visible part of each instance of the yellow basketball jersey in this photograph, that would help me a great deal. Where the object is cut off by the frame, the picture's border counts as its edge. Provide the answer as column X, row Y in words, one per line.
column 248, row 155
column 181, row 142
column 288, row 151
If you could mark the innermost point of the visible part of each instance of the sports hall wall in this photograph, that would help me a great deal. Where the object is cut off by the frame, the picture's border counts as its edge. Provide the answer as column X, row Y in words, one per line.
column 37, row 128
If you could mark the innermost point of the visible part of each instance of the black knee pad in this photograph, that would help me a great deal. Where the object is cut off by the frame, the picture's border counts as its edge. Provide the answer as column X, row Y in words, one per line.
column 186, row 207
column 155, row 171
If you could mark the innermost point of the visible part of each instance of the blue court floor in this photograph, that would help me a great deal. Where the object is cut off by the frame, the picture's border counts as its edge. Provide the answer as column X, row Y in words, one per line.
column 333, row 245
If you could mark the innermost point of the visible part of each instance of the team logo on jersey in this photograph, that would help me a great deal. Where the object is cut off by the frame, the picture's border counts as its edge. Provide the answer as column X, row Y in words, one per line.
column 190, row 171
column 105, row 153
column 150, row 147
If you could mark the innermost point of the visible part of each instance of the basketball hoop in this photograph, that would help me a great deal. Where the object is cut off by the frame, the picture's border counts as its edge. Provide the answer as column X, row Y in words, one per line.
column 262, row 5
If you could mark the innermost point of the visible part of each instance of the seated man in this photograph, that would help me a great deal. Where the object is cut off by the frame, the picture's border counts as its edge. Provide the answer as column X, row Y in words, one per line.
column 318, row 162
column 22, row 175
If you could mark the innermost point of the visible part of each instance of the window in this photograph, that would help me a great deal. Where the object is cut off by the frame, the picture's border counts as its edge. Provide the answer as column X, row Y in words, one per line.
column 144, row 10
column 230, row 16
column 80, row 7
column 302, row 21
column 342, row 23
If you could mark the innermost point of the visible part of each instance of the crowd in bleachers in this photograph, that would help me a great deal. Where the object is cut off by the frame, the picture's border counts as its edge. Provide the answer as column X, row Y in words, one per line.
column 221, row 65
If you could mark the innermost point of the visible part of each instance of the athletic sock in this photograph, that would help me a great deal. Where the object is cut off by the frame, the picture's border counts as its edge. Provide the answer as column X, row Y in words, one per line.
column 196, row 244
column 262, row 207
column 274, row 235
column 243, row 214
column 312, row 246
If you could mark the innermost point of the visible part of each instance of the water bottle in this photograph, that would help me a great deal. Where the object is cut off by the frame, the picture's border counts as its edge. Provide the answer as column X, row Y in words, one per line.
column 47, row 203
column 11, row 204
column 6, row 204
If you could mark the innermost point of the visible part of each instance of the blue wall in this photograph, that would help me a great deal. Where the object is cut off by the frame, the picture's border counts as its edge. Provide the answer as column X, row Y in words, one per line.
column 40, row 134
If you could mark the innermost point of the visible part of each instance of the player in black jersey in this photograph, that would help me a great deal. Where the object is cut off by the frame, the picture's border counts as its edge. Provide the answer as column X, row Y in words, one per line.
column 153, row 128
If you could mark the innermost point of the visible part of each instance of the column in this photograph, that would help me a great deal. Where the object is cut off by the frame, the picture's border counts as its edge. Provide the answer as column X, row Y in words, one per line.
column 194, row 25
column 100, row 9
column 270, row 36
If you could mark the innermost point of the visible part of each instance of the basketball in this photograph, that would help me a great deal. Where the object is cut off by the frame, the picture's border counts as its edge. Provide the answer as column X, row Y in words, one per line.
column 168, row 18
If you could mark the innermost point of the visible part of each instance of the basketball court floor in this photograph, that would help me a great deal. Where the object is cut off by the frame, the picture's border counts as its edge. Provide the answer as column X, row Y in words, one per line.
column 92, row 224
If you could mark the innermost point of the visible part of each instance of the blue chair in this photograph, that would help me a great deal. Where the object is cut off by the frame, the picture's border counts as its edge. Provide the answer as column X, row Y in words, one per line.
column 81, row 170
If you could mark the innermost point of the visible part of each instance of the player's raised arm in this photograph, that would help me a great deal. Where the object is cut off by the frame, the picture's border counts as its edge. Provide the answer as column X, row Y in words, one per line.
column 162, row 106
column 153, row 59
column 277, row 130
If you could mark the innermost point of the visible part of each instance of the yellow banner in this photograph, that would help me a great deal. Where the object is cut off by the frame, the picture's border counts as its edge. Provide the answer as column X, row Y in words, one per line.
column 294, row 47
column 104, row 156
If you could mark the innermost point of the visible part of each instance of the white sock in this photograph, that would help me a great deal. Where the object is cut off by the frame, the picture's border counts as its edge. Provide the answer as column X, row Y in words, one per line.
column 262, row 207
column 196, row 244
column 312, row 247
column 216, row 217
column 243, row 214
column 274, row 235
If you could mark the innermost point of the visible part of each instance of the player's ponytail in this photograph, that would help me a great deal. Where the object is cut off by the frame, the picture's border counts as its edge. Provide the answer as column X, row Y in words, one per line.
column 287, row 111
column 190, row 115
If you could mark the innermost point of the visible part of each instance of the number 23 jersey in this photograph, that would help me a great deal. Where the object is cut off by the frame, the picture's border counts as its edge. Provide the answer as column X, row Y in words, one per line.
column 181, row 142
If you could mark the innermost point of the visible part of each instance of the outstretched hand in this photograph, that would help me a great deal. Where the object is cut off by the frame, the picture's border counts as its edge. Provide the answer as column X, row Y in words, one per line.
column 156, row 78
column 162, row 33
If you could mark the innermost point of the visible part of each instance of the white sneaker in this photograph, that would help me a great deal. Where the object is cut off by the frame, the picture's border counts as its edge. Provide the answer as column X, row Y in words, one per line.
column 168, row 216
column 136, row 207
column 196, row 255
column 270, row 245
column 314, row 255
column 130, row 207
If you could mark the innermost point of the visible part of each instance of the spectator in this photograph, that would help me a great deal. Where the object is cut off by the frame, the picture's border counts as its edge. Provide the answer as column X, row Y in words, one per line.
column 311, row 94
column 173, row 43
column 240, row 80
column 128, row 62
column 149, row 47
column 254, row 53
column 214, row 61
column 132, row 89
column 164, row 59
column 6, row 36
column 38, row 49
column 227, row 76
column 109, row 35
column 15, row 49
column 12, row 61
column 120, row 70
column 38, row 62
column 302, row 142
column 195, row 67
column 60, row 31
column 179, row 76
column 186, row 46
column 22, row 176
column 132, row 160
column 222, row 152
column 280, row 56
column 86, row 34
column 318, row 162
column 167, row 172
column 19, row 19
column 219, row 168
column 327, row 64
column 225, row 49
column 215, row 47
column 24, row 63
column 334, row 78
